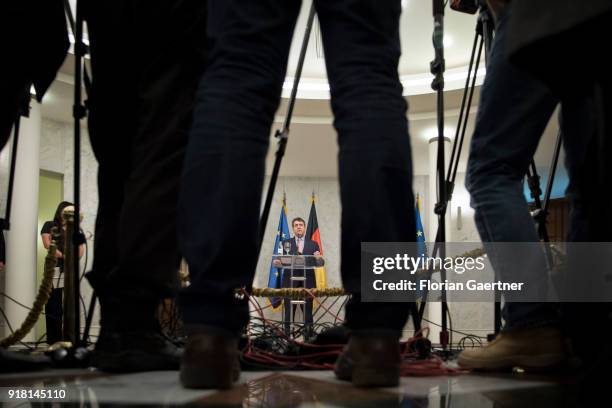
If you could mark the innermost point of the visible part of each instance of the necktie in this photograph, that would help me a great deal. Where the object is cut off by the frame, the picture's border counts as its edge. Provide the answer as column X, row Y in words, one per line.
column 300, row 245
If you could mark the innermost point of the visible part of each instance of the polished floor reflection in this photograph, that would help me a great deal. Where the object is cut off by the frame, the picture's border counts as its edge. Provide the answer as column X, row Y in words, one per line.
column 296, row 389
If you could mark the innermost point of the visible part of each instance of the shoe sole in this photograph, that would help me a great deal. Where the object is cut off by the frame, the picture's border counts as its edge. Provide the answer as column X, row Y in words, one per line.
column 375, row 377
column 530, row 362
column 367, row 376
column 131, row 362
column 208, row 378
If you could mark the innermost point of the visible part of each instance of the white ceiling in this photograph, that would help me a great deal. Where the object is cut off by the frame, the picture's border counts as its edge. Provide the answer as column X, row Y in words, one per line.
column 416, row 27
column 312, row 150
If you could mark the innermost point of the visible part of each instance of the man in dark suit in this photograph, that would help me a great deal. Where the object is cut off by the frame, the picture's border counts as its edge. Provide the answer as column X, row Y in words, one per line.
column 299, row 245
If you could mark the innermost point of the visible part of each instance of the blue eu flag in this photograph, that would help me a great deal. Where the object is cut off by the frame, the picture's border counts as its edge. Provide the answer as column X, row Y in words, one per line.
column 282, row 233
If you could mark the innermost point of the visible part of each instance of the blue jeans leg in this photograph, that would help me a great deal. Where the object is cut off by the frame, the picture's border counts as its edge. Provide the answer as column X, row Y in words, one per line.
column 514, row 111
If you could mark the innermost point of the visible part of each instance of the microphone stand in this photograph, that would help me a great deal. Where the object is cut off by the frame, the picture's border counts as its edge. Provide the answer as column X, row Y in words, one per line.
column 437, row 69
column 79, row 112
column 484, row 30
column 283, row 134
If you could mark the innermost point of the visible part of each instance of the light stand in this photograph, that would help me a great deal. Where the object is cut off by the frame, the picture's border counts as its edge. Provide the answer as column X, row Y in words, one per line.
column 437, row 69
column 78, row 113
column 484, row 33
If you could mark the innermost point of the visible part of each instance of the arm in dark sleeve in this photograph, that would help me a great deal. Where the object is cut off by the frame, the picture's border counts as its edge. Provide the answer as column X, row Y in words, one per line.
column 46, row 228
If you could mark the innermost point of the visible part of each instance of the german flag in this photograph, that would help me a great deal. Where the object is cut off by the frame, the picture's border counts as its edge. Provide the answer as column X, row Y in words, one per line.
column 312, row 232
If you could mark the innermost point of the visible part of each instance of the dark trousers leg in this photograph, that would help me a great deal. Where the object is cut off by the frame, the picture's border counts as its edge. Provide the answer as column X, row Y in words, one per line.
column 287, row 315
column 237, row 98
column 287, row 308
column 587, row 127
column 308, row 318
column 54, row 312
column 224, row 165
column 362, row 49
column 587, row 140
column 140, row 111
column 513, row 113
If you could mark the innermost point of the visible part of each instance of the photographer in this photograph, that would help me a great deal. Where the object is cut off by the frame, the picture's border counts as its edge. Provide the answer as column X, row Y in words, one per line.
column 54, row 307
column 563, row 43
column 516, row 103
column 224, row 174
column 513, row 113
column 146, row 60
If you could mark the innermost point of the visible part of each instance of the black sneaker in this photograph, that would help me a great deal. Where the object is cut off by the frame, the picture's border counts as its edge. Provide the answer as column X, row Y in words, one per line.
column 13, row 362
column 133, row 351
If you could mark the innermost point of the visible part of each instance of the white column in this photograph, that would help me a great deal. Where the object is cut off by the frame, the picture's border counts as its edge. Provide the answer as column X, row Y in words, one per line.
column 434, row 307
column 21, row 239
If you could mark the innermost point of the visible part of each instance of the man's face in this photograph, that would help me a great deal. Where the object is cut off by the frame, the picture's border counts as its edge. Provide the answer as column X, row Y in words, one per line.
column 298, row 229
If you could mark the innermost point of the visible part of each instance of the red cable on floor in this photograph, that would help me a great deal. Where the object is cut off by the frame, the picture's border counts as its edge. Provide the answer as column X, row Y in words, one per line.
column 410, row 366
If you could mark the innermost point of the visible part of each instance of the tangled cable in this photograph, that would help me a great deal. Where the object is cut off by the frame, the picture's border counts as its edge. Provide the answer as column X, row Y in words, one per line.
column 269, row 347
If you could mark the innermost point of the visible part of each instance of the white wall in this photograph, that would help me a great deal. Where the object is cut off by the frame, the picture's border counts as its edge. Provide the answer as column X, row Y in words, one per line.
column 474, row 318
column 56, row 154
column 299, row 191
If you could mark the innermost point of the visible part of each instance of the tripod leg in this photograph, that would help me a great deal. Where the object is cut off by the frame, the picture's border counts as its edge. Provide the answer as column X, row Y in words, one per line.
column 416, row 318
column 90, row 313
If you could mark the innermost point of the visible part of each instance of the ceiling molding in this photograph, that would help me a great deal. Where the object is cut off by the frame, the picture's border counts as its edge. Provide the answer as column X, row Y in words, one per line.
column 413, row 117
column 313, row 88
column 417, row 84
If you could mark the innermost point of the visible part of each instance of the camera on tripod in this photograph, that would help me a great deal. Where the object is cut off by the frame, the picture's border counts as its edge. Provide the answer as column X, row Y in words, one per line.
column 467, row 6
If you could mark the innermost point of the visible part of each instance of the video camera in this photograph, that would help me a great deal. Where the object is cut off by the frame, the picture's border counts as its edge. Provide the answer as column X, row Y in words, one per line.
column 466, row 6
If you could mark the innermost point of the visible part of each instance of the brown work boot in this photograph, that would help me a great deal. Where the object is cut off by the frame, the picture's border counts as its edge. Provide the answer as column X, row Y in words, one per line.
column 210, row 361
column 534, row 348
column 370, row 361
